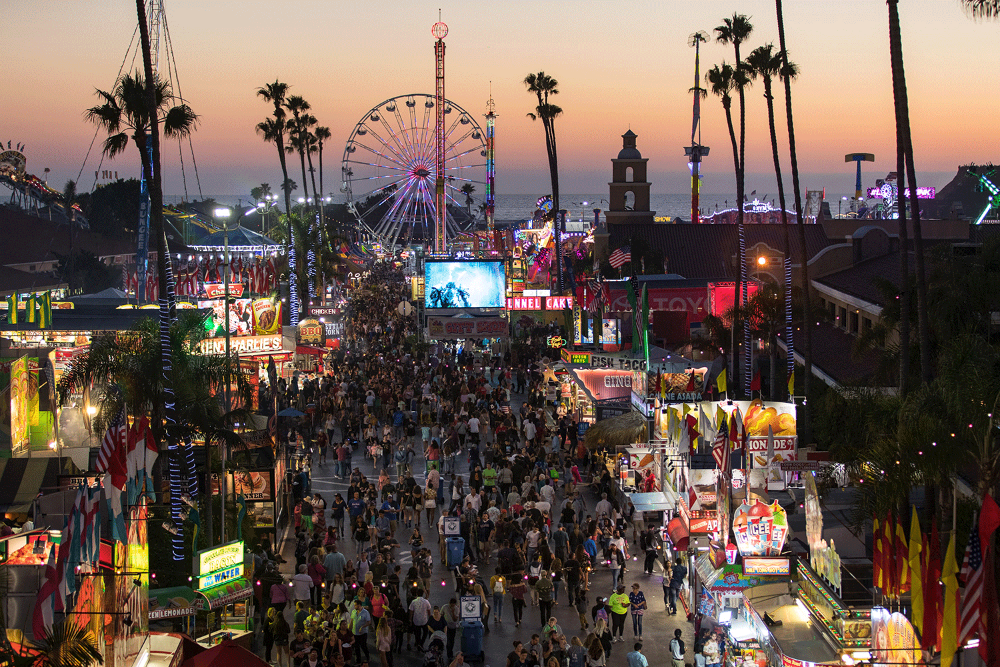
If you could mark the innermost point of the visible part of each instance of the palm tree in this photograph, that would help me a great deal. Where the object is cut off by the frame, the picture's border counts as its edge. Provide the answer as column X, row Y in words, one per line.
column 905, row 140
column 805, row 432
column 982, row 9
column 767, row 64
column 544, row 86
column 273, row 129
column 468, row 189
column 298, row 129
column 69, row 201
column 322, row 135
column 721, row 81
column 135, row 107
column 735, row 31
column 64, row 644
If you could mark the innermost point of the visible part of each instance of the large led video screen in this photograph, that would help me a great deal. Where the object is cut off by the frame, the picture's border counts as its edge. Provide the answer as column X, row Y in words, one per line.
column 464, row 284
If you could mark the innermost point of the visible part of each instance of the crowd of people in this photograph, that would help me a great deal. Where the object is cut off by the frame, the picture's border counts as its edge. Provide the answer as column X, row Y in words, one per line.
column 446, row 435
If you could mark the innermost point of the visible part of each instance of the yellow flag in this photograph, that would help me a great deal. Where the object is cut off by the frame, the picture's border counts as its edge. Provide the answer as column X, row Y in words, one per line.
column 791, row 383
column 917, row 570
column 720, row 382
column 949, row 624
column 720, row 416
column 685, row 410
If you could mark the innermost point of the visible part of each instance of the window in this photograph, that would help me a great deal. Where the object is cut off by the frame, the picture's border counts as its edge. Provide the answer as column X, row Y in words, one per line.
column 629, row 174
column 629, row 201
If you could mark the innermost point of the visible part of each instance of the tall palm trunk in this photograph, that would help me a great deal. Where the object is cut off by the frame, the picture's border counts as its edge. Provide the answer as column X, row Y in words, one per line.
column 312, row 177
column 550, row 146
column 805, row 432
column 280, row 143
column 904, row 266
column 151, row 166
column 905, row 141
column 776, row 390
column 727, row 105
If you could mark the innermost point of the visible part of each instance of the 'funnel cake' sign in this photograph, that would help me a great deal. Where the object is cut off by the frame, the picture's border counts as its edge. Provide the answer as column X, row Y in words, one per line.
column 760, row 529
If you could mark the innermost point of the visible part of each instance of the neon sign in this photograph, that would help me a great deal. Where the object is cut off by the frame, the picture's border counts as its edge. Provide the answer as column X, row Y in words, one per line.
column 219, row 565
column 879, row 192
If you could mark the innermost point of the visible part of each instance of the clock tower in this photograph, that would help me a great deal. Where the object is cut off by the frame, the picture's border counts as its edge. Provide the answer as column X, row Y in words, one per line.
column 628, row 189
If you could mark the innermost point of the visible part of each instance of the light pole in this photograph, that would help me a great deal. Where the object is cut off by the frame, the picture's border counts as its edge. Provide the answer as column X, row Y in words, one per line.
column 839, row 204
column 222, row 214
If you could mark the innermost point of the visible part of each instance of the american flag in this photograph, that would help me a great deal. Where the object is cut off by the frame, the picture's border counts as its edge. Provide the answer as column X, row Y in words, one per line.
column 114, row 446
column 599, row 296
column 972, row 576
column 720, row 450
column 620, row 256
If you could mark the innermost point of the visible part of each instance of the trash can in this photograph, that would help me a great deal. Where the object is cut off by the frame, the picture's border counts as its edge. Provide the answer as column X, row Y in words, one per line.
column 472, row 639
column 456, row 549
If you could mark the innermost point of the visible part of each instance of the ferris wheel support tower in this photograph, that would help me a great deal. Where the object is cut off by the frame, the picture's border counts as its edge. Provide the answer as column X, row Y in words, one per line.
column 440, row 31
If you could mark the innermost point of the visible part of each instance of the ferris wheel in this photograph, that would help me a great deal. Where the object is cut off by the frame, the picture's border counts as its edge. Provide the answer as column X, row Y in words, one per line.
column 389, row 171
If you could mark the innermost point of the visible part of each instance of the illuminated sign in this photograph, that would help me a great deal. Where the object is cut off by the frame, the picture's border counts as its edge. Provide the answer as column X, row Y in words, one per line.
column 558, row 302
column 570, row 357
column 453, row 328
column 555, row 341
column 622, row 363
column 760, row 529
column 525, row 303
column 767, row 566
column 922, row 192
column 218, row 290
column 219, row 565
column 310, row 331
column 242, row 345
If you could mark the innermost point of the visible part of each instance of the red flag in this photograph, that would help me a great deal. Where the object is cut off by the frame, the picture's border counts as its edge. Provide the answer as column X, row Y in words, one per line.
column 755, row 382
column 690, row 384
column 691, row 423
column 933, row 598
column 890, row 574
column 989, row 521
column 902, row 556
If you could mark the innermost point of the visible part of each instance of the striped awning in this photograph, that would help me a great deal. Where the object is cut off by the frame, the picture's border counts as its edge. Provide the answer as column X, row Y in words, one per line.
column 228, row 593
column 22, row 479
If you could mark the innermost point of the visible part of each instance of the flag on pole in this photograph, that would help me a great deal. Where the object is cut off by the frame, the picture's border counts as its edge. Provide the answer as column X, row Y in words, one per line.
column 720, row 382
column 972, row 602
column 30, row 307
column 915, row 566
column 691, row 423
column 791, row 383
column 720, row 449
column 142, row 454
column 12, row 309
column 876, row 554
column 620, row 257
column 755, row 382
column 45, row 310
column 645, row 326
column 888, row 559
column 112, row 461
column 48, row 596
column 989, row 521
column 933, row 598
column 901, row 555
column 949, row 620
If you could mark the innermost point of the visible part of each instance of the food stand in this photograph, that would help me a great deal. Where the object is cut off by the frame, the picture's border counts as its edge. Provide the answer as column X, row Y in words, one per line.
column 219, row 574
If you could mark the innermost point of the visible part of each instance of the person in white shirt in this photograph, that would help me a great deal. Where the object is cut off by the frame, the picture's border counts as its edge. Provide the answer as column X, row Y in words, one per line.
column 529, row 430
column 548, row 493
column 302, row 584
column 474, row 500
column 603, row 507
column 543, row 506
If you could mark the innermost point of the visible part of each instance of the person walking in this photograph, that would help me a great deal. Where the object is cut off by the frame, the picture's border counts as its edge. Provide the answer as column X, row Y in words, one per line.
column 360, row 621
column 517, row 591
column 420, row 611
column 498, row 584
column 636, row 658
column 280, row 631
column 616, row 563
column 619, row 604
column 637, row 605
column 544, row 589
column 677, row 649
column 672, row 590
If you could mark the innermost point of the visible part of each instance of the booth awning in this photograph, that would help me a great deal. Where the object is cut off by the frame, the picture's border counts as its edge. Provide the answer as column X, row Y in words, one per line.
column 309, row 349
column 21, row 479
column 656, row 501
column 173, row 602
column 228, row 593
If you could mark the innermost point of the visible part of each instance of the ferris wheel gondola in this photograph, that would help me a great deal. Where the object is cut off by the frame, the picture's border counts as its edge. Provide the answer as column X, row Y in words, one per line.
column 389, row 171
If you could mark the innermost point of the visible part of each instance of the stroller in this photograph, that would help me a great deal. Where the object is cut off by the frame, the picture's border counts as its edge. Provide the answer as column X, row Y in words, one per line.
column 433, row 655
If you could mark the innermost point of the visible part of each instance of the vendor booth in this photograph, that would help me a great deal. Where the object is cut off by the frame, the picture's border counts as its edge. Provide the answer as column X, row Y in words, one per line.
column 221, row 585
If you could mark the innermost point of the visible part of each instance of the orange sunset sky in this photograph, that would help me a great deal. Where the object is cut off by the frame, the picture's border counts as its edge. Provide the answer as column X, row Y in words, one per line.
column 620, row 64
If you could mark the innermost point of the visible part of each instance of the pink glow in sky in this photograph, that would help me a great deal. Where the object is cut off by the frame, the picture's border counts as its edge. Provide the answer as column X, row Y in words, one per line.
column 619, row 65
